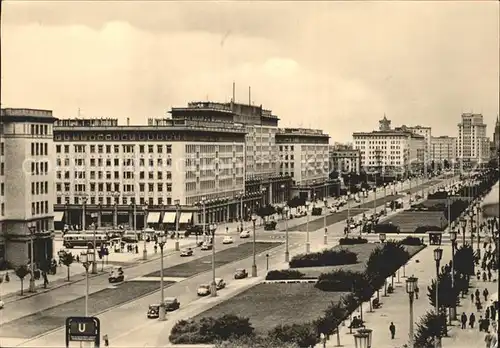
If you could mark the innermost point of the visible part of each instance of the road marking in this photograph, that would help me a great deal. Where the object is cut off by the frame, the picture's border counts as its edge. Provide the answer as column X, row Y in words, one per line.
column 152, row 279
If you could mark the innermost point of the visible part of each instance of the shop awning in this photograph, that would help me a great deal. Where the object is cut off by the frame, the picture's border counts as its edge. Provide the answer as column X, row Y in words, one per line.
column 185, row 218
column 169, row 217
column 58, row 216
column 153, row 217
column 490, row 204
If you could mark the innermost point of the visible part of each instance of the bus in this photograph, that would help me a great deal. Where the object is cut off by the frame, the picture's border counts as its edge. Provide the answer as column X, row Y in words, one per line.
column 71, row 240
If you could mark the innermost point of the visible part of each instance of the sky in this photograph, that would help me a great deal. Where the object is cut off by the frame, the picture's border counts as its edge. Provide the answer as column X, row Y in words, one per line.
column 336, row 66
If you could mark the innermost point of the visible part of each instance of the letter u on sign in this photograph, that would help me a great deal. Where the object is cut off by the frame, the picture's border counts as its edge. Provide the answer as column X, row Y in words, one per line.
column 82, row 327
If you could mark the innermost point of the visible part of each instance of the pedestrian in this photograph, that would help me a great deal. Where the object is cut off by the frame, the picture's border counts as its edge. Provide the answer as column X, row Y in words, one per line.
column 478, row 274
column 487, row 313
column 7, row 277
column 416, row 292
column 136, row 249
column 472, row 320
column 392, row 329
column 463, row 320
column 484, row 276
column 477, row 294
column 481, row 323
column 489, row 275
column 493, row 312
column 45, row 280
column 485, row 294
column 77, row 258
column 106, row 340
column 472, row 297
column 487, row 339
column 155, row 248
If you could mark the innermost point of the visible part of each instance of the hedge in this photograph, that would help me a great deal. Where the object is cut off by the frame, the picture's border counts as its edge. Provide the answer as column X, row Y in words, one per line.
column 284, row 274
column 426, row 228
column 328, row 257
column 341, row 281
column 386, row 228
column 411, row 241
column 352, row 241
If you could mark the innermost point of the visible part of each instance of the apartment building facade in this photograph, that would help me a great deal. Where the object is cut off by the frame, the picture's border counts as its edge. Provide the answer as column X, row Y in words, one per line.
column 345, row 159
column 472, row 142
column 304, row 155
column 26, row 185
column 136, row 175
column 443, row 149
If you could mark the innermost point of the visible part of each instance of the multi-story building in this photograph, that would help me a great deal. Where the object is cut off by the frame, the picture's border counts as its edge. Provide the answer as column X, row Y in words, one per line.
column 26, row 186
column 390, row 151
column 345, row 159
column 443, row 149
column 135, row 175
column 262, row 170
column 426, row 132
column 495, row 144
column 304, row 156
column 472, row 143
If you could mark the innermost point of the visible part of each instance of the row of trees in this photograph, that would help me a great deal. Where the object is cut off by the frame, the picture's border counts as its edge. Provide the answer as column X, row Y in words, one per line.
column 328, row 257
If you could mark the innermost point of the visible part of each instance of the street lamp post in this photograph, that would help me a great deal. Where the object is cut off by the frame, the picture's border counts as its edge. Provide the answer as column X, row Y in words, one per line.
column 177, row 206
column 325, row 236
column 463, row 222
column 411, row 285
column 144, row 249
column 308, row 244
column 254, row 265
column 94, row 242
column 361, row 340
column 32, row 287
column 382, row 237
column 213, row 285
column 87, row 258
column 162, row 240
column 242, row 194
column 438, row 254
column 453, row 238
column 472, row 227
column 287, row 252
column 204, row 217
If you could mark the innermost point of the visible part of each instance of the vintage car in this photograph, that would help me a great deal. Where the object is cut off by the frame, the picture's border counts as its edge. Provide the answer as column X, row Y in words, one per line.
column 187, row 252
column 203, row 290
column 220, row 283
column 270, row 225
column 240, row 273
column 245, row 234
column 227, row 240
column 171, row 304
column 206, row 246
column 116, row 275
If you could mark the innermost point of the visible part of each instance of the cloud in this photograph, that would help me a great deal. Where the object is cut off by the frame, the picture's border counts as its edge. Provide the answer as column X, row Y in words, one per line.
column 332, row 65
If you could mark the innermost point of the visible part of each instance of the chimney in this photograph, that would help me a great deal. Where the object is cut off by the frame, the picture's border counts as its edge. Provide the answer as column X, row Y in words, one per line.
column 128, row 121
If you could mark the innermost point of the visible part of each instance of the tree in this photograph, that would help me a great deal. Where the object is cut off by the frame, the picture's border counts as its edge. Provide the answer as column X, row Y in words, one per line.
column 21, row 272
column 304, row 335
column 333, row 316
column 464, row 261
column 254, row 342
column 448, row 296
column 431, row 326
column 266, row 211
column 67, row 259
column 296, row 202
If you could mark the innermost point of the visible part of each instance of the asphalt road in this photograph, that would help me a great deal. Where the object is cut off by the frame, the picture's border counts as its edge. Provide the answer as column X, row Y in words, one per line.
column 222, row 258
column 50, row 319
column 330, row 220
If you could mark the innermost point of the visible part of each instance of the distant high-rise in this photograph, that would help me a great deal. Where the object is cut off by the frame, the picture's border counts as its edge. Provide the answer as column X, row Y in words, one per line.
column 472, row 143
column 496, row 137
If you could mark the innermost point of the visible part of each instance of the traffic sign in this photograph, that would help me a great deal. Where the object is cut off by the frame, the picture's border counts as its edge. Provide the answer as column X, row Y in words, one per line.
column 83, row 329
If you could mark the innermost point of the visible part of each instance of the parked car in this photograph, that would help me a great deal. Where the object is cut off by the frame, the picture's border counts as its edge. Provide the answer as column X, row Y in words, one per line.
column 227, row 240
column 195, row 229
column 240, row 273
column 220, row 283
column 171, row 304
column 270, row 225
column 187, row 252
column 116, row 275
column 203, row 290
column 245, row 234
column 206, row 246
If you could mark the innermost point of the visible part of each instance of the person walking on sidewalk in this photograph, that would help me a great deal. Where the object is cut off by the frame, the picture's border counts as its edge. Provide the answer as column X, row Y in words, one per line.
column 472, row 320
column 416, row 292
column 392, row 329
column 485, row 294
column 487, row 339
column 106, row 340
column 463, row 320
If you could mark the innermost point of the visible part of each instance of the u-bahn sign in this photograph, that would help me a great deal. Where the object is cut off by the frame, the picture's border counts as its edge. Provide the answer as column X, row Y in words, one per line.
column 83, row 329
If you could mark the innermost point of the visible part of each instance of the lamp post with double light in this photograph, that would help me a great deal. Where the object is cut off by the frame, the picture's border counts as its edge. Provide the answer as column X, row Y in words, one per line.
column 369, row 332
column 453, row 239
column 411, row 285
column 254, row 264
column 463, row 223
column 361, row 340
column 287, row 252
column 87, row 258
column 177, row 207
column 308, row 243
column 213, row 285
column 162, row 240
column 32, row 287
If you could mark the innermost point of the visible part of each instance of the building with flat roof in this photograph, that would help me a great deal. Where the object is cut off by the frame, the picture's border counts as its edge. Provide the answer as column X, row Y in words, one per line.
column 26, row 185
column 133, row 175
column 472, row 143
column 443, row 149
column 304, row 156
column 344, row 159
column 424, row 131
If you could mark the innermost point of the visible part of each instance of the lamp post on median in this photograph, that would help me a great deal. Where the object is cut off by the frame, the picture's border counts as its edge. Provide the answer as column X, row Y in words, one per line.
column 144, row 249
column 177, row 206
column 308, row 244
column 94, row 242
column 438, row 255
column 325, row 236
column 254, row 264
column 213, row 285
column 411, row 285
column 453, row 239
column 162, row 240
column 87, row 258
column 287, row 253
column 32, row 287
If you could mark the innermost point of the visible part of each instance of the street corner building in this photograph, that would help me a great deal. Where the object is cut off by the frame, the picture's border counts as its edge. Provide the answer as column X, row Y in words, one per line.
column 26, row 186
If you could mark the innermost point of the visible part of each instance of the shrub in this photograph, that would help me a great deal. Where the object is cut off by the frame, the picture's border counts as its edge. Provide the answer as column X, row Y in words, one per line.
column 384, row 261
column 426, row 228
column 284, row 274
column 341, row 281
column 352, row 241
column 448, row 295
column 210, row 330
column 430, row 327
column 328, row 257
column 409, row 240
column 254, row 342
column 304, row 335
column 386, row 228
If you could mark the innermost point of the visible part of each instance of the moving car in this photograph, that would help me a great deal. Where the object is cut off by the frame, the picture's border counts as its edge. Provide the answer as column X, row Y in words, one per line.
column 187, row 252
column 227, row 240
column 116, row 275
column 270, row 225
column 171, row 304
column 240, row 273
column 206, row 246
column 203, row 290
column 245, row 234
column 220, row 283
